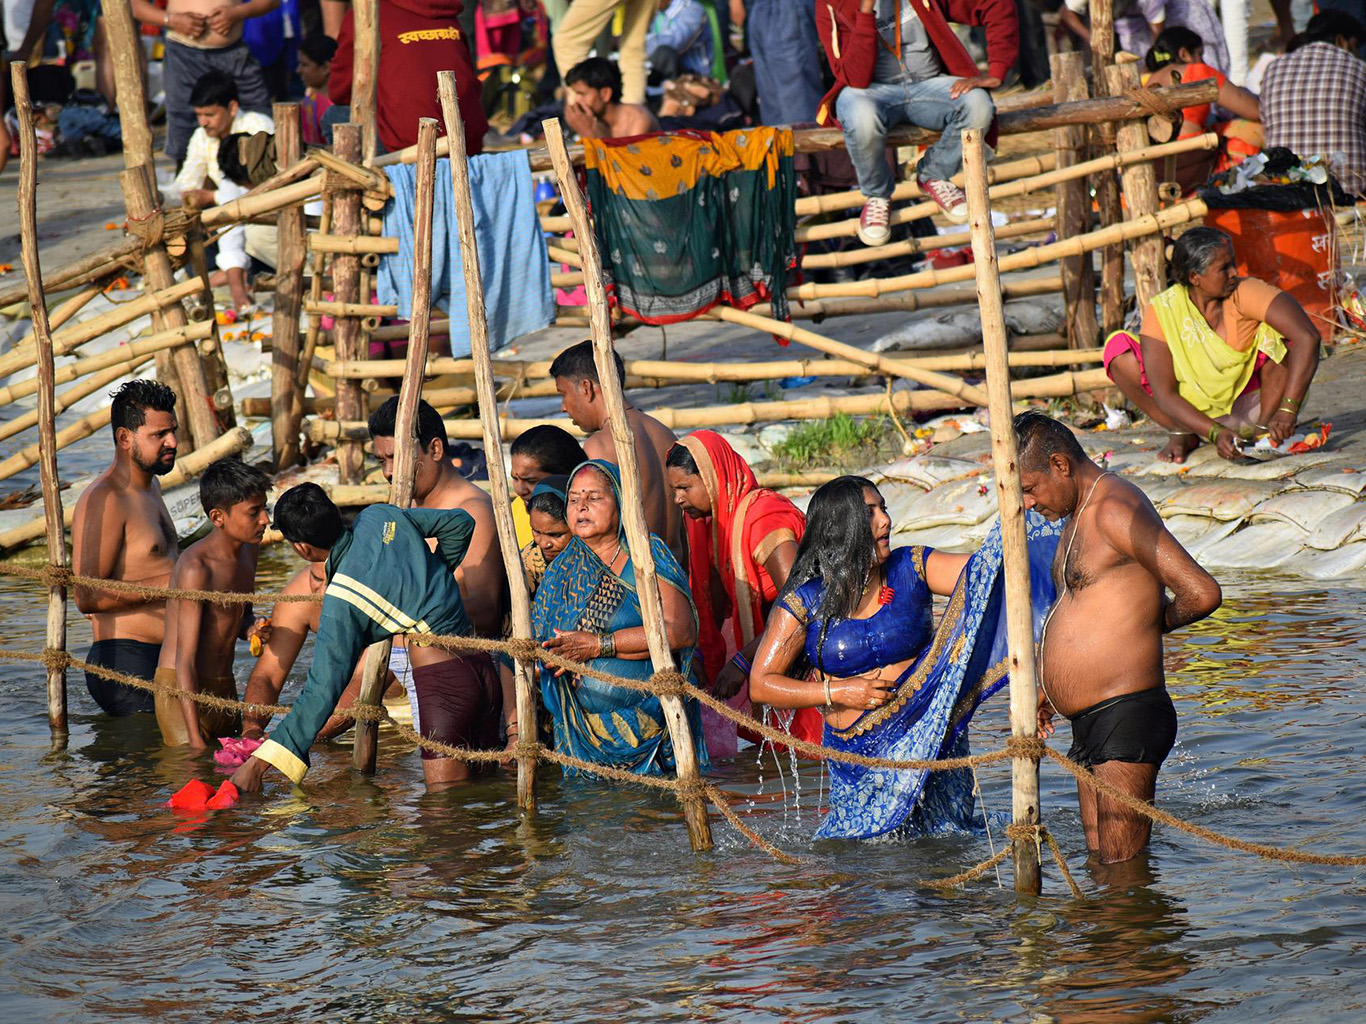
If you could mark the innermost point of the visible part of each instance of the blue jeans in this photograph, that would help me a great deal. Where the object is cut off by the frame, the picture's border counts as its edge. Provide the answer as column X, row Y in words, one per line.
column 868, row 114
column 787, row 59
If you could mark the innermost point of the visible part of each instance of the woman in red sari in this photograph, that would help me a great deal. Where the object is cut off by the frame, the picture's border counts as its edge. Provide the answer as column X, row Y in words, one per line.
column 742, row 541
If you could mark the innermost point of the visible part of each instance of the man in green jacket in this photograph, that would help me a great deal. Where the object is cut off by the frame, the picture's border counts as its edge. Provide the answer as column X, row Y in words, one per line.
column 382, row 580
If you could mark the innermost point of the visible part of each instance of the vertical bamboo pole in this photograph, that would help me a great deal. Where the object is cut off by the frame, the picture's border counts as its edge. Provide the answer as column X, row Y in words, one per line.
column 1005, row 458
column 405, row 426
column 130, row 94
column 1107, row 185
column 346, row 215
column 315, row 293
column 47, row 439
column 493, row 436
column 365, row 76
column 633, row 507
column 143, row 206
column 286, row 400
column 1074, row 206
column 213, row 361
column 1140, row 191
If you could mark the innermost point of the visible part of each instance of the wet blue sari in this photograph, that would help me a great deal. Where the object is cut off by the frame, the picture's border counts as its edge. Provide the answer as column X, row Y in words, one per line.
column 962, row 663
column 593, row 720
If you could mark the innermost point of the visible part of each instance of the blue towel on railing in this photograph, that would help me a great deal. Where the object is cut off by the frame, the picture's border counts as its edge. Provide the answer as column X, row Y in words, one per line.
column 513, row 260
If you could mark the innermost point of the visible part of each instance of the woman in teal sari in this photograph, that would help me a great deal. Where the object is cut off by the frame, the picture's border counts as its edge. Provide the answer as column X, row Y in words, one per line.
column 587, row 610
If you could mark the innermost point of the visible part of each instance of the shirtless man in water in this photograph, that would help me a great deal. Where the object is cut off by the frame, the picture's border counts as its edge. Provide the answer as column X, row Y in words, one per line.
column 1101, row 660
column 576, row 379
column 121, row 530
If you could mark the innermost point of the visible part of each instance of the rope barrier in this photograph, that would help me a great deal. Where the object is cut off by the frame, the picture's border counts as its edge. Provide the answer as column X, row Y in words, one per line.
column 664, row 683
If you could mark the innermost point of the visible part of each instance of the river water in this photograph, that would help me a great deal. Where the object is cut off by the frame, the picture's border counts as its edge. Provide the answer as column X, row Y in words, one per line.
column 370, row 900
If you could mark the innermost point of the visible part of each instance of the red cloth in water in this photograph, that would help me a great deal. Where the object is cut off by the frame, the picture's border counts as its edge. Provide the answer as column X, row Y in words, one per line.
column 199, row 796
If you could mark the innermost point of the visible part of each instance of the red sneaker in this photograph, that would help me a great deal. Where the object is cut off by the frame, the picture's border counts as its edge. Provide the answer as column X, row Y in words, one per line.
column 874, row 223
column 947, row 196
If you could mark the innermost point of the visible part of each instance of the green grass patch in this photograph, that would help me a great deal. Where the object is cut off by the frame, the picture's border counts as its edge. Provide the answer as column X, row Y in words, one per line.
column 837, row 443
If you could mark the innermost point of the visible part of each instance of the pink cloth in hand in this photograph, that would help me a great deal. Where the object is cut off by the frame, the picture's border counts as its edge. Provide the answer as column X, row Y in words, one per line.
column 235, row 751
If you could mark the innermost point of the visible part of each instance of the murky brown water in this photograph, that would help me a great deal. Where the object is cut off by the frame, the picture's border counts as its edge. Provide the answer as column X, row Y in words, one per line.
column 369, row 900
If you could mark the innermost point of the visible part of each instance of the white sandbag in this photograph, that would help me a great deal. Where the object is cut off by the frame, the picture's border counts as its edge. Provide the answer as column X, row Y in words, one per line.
column 1255, row 546
column 1339, row 528
column 1301, row 508
column 1225, row 500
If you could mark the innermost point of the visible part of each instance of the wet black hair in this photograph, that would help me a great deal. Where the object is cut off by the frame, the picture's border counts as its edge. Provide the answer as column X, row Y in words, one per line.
column 1169, row 42
column 576, row 363
column 430, row 426
column 320, row 49
column 214, row 89
column 129, row 404
column 596, row 73
column 306, row 515
column 230, row 481
column 1194, row 251
column 1039, row 437
column 553, row 448
column 549, row 502
column 838, row 548
column 1327, row 26
column 680, row 458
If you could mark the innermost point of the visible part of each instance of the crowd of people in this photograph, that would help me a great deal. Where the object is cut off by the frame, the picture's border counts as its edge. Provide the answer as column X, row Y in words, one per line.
column 811, row 621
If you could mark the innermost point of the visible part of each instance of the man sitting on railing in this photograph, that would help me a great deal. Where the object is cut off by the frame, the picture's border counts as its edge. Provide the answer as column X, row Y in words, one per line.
column 898, row 62
column 383, row 580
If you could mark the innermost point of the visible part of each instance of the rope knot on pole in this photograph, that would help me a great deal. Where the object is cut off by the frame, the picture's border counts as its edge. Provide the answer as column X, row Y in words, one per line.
column 54, row 658
column 150, row 230
column 1026, row 746
column 522, row 649
column 55, row 575
column 670, row 683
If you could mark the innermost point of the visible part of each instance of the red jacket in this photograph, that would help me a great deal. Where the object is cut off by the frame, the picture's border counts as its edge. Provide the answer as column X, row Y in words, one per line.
column 418, row 38
column 850, row 40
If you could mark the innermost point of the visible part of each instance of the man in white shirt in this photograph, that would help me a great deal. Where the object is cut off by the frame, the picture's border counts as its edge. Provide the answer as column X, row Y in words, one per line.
column 214, row 99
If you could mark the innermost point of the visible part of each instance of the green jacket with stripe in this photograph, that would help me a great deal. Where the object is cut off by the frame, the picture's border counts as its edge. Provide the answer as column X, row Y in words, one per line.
column 382, row 579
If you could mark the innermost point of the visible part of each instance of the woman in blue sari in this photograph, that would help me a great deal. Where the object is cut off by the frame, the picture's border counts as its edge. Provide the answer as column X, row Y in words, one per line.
column 587, row 609
column 853, row 634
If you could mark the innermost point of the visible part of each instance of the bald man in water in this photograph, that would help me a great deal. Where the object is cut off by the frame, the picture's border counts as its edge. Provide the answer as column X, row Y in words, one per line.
column 1100, row 662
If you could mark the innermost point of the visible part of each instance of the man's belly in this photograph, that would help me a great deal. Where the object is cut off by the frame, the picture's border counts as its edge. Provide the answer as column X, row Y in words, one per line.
column 149, row 626
column 209, row 38
column 1095, row 649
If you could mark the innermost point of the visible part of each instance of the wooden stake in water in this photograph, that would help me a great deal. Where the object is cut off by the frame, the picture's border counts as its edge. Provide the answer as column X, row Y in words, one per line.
column 1005, row 462
column 47, row 441
column 405, row 424
column 493, row 444
column 632, row 506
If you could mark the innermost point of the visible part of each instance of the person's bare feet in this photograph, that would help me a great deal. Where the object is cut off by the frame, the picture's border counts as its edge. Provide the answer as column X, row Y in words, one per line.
column 1178, row 447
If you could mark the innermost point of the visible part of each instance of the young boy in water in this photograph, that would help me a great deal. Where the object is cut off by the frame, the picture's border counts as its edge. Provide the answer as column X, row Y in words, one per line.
column 200, row 637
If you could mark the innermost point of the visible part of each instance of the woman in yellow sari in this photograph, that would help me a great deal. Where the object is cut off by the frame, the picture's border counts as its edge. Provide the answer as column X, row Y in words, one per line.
column 1220, row 358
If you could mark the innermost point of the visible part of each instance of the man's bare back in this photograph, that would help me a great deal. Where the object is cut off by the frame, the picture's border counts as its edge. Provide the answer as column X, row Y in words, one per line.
column 653, row 441
column 481, row 576
column 122, row 531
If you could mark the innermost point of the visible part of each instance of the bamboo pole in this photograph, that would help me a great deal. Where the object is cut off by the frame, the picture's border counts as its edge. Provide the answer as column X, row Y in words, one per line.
column 673, row 371
column 68, row 308
column 335, row 243
column 1073, row 202
column 234, row 442
column 90, row 270
column 405, row 423
column 1139, row 227
column 854, row 257
column 1006, row 170
column 348, row 309
column 212, row 360
column 1009, row 495
column 52, row 491
column 493, row 448
column 1022, row 186
column 124, row 356
column 346, row 214
column 315, row 292
column 365, row 75
column 1107, row 187
column 78, row 431
column 251, row 206
column 633, row 507
column 143, row 204
column 286, row 400
column 1140, row 191
column 75, row 335
column 70, row 397
column 130, row 92
column 1059, row 385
